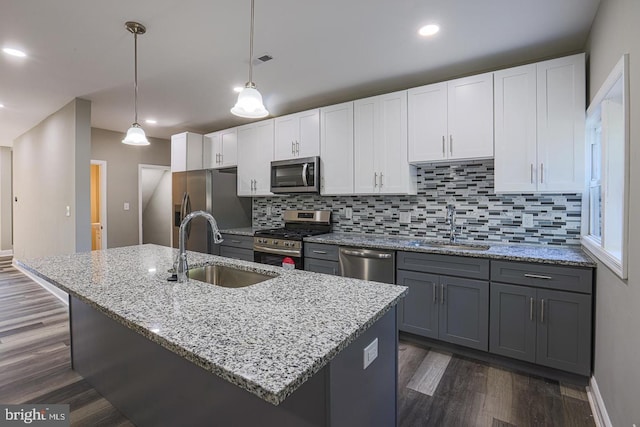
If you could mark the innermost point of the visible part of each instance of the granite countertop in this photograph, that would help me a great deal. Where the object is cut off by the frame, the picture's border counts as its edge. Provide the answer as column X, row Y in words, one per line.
column 268, row 338
column 242, row 231
column 558, row 255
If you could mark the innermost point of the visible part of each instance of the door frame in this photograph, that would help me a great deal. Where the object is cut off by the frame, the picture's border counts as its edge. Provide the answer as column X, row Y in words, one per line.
column 102, row 164
column 142, row 166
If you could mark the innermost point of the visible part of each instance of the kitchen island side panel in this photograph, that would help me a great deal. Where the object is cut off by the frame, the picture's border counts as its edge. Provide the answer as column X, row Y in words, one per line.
column 155, row 387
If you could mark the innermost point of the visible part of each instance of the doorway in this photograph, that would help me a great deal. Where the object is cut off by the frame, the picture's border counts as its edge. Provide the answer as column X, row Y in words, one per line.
column 154, row 205
column 98, row 204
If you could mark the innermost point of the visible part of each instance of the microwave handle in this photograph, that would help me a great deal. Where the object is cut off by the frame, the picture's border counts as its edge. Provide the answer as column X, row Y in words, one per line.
column 305, row 168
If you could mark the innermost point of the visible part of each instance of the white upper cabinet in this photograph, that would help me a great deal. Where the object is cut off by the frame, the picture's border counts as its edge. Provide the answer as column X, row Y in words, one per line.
column 297, row 135
column 255, row 153
column 336, row 149
column 186, row 152
column 380, row 146
column 221, row 149
column 539, row 127
column 451, row 120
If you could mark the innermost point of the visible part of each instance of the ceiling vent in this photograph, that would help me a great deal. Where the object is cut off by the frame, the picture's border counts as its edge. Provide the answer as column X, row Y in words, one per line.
column 262, row 59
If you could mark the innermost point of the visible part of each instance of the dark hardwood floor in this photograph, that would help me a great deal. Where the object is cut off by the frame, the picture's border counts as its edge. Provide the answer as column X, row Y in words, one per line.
column 435, row 389
column 34, row 353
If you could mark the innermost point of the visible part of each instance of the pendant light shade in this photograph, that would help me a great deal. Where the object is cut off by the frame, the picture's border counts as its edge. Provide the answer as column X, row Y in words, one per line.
column 135, row 134
column 249, row 102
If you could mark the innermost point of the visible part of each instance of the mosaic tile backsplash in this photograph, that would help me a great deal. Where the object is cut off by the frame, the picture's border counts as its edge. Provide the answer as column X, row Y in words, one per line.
column 481, row 215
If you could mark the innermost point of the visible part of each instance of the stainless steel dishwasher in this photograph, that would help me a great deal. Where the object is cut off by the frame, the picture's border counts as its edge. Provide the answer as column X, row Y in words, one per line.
column 368, row 264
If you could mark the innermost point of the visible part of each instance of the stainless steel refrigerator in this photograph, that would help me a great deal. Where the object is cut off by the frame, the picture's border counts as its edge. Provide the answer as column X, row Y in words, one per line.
column 211, row 191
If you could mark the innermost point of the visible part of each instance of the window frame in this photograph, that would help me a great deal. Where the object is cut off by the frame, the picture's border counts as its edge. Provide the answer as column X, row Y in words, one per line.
column 596, row 244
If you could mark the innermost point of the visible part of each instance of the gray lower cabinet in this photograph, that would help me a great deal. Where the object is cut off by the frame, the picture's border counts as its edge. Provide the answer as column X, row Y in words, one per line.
column 548, row 327
column 236, row 247
column 448, row 308
column 321, row 258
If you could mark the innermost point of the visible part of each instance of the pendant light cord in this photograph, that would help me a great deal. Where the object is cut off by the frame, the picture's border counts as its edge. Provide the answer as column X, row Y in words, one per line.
column 251, row 45
column 135, row 75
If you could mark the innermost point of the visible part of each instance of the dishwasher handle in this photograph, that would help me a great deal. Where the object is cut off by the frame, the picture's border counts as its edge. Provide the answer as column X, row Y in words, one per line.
column 361, row 254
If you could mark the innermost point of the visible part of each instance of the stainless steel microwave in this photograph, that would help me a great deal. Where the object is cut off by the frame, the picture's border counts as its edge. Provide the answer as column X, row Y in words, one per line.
column 296, row 175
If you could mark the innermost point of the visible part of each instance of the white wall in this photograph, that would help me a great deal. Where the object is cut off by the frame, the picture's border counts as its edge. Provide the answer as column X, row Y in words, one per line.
column 122, row 180
column 156, row 216
column 5, row 199
column 51, row 172
column 615, row 31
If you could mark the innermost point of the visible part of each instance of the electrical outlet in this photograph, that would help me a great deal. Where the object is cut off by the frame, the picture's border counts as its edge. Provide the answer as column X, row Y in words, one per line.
column 268, row 210
column 348, row 213
column 527, row 220
column 370, row 353
column 405, row 217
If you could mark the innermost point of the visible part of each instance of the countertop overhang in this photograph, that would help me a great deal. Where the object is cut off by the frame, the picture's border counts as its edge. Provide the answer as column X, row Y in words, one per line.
column 268, row 338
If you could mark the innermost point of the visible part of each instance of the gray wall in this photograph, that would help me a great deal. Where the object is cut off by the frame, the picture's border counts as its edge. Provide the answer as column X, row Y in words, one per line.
column 51, row 172
column 122, row 180
column 617, row 342
column 5, row 199
column 156, row 217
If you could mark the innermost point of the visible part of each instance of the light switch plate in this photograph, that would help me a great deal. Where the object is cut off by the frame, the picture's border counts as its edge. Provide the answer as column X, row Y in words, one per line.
column 126, row 206
column 370, row 353
column 405, row 217
column 527, row 220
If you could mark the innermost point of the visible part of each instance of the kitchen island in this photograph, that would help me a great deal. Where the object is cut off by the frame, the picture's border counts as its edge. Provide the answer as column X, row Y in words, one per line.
column 286, row 351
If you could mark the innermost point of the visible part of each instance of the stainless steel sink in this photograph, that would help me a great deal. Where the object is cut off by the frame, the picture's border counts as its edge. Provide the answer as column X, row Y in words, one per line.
column 448, row 245
column 227, row 277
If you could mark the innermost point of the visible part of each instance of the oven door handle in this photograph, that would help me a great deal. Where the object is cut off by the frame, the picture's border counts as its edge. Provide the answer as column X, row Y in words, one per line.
column 265, row 249
column 305, row 169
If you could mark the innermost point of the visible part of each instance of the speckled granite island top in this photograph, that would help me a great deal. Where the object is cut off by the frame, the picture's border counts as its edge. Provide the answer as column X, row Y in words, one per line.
column 559, row 255
column 267, row 338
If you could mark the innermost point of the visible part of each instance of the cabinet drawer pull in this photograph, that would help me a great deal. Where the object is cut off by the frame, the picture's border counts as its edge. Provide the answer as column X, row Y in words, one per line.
column 537, row 276
column 441, row 294
column 531, row 309
column 236, row 241
column 319, row 252
column 542, row 311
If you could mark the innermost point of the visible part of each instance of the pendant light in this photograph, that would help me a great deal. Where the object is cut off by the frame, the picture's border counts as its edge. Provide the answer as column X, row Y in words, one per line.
column 135, row 134
column 249, row 103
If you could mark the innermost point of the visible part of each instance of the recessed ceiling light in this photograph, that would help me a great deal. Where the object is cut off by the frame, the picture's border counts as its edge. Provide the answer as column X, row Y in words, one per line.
column 1, row 105
column 428, row 30
column 151, row 121
column 238, row 89
column 14, row 52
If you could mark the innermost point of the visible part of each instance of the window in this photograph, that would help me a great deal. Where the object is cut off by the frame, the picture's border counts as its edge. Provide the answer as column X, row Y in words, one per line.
column 605, row 209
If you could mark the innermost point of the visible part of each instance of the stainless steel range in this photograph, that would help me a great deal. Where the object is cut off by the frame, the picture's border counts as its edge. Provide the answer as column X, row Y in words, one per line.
column 274, row 245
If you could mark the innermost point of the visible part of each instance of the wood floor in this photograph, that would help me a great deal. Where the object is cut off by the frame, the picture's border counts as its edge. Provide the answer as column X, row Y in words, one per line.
column 435, row 389
column 34, row 353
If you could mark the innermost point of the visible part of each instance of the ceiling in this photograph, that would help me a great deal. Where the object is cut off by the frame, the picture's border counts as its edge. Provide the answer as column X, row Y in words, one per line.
column 196, row 51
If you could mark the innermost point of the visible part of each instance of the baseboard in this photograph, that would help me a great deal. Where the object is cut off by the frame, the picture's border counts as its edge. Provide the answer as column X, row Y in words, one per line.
column 6, row 252
column 600, row 415
column 55, row 291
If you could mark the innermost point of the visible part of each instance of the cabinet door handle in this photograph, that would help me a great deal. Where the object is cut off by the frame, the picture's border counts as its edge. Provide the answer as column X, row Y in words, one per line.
column 542, row 311
column 381, row 179
column 531, row 309
column 531, row 173
column 291, row 147
column 537, row 276
column 319, row 252
column 221, row 158
column 442, row 294
column 375, row 179
column 444, row 153
column 541, row 173
column 297, row 147
column 451, row 145
column 435, row 293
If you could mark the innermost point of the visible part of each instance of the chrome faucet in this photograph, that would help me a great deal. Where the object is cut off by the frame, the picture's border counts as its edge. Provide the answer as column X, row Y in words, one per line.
column 180, row 265
column 451, row 222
